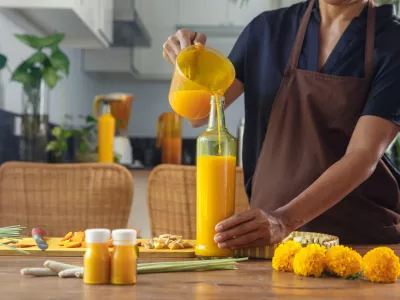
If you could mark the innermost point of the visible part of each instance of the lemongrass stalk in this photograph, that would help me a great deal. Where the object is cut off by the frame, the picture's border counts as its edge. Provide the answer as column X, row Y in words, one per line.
column 187, row 269
column 14, row 248
column 184, row 267
column 190, row 262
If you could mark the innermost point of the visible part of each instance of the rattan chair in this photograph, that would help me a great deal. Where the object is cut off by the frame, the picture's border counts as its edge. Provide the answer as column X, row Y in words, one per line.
column 171, row 199
column 65, row 197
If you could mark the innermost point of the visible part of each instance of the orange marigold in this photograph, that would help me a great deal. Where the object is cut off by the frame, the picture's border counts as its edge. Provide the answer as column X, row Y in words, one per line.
column 310, row 261
column 381, row 265
column 343, row 262
column 284, row 255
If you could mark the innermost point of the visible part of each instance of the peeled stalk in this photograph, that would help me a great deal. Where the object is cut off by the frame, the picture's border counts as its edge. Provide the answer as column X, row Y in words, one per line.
column 12, row 232
column 70, row 272
column 38, row 272
column 58, row 267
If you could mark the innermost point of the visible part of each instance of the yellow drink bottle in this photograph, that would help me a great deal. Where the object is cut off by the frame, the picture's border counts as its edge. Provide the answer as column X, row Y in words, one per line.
column 106, row 132
column 216, row 181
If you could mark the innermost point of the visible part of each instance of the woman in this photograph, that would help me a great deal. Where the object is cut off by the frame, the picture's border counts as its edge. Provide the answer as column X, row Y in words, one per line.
column 322, row 104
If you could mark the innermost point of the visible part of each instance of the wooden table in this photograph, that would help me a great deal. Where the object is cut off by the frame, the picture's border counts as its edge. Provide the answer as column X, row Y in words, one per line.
column 253, row 280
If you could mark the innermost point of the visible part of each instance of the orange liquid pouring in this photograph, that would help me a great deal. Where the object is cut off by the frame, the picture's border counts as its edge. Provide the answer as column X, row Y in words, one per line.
column 216, row 188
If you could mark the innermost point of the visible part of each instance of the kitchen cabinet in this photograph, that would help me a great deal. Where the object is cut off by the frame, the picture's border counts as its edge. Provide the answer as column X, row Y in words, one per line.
column 149, row 62
column 86, row 23
column 204, row 12
column 242, row 15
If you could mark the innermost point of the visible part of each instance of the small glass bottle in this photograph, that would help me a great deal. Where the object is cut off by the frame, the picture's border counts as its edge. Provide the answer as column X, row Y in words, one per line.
column 169, row 138
column 123, row 259
column 106, row 133
column 97, row 257
column 216, row 181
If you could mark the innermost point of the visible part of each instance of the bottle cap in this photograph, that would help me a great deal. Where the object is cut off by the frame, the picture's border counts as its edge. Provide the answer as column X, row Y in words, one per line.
column 97, row 235
column 124, row 237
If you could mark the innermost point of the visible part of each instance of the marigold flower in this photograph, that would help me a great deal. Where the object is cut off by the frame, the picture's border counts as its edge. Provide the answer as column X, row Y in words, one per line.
column 381, row 265
column 343, row 262
column 310, row 261
column 284, row 255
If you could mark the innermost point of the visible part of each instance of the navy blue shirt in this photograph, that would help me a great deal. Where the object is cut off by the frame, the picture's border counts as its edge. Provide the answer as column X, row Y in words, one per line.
column 263, row 49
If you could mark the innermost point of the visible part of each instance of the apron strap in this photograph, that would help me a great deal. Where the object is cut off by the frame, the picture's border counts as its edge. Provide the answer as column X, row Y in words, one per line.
column 369, row 45
column 370, row 42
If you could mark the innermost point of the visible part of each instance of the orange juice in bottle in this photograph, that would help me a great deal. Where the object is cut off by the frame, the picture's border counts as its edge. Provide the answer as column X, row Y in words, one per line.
column 216, row 181
column 97, row 257
column 123, row 259
column 106, row 132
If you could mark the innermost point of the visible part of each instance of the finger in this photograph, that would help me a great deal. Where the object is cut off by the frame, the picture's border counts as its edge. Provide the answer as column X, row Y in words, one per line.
column 169, row 52
column 174, row 44
column 185, row 37
column 166, row 57
column 200, row 38
column 241, row 241
column 255, row 244
column 236, row 231
column 236, row 220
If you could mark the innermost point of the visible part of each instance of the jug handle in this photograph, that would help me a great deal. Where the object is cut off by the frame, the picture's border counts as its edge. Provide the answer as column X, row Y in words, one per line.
column 96, row 106
column 160, row 125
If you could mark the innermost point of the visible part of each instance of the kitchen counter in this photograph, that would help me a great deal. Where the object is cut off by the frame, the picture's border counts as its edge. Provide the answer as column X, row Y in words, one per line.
column 253, row 280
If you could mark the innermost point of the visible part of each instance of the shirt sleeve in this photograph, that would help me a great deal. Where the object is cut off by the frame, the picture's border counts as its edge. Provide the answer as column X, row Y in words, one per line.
column 384, row 98
column 238, row 53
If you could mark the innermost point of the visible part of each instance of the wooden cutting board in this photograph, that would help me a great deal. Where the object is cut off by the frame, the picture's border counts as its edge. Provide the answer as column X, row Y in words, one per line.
column 55, row 250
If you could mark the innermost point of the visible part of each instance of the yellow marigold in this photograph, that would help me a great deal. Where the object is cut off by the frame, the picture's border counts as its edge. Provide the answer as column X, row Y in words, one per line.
column 310, row 261
column 381, row 265
column 284, row 255
column 343, row 262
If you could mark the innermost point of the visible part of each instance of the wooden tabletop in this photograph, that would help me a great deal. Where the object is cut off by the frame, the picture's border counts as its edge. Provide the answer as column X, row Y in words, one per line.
column 253, row 280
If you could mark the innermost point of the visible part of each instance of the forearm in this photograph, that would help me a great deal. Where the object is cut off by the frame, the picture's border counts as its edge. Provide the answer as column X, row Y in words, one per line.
column 329, row 189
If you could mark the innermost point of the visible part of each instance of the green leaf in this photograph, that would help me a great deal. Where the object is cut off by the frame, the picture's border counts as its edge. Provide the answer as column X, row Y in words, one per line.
column 63, row 146
column 52, row 146
column 83, row 147
column 22, row 75
column 50, row 77
column 67, row 134
column 57, row 131
column 37, row 57
column 90, row 119
column 60, row 61
column 3, row 61
column 40, row 42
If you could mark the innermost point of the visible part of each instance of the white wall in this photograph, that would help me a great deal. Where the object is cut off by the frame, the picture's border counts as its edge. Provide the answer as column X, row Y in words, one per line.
column 151, row 99
column 78, row 90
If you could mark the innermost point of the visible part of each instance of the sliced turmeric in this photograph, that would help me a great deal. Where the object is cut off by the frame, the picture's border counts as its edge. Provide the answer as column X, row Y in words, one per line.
column 62, row 243
column 78, row 237
column 73, row 245
column 24, row 245
column 68, row 236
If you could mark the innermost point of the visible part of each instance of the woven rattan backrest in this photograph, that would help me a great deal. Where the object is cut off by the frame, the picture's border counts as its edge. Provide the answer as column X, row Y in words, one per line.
column 171, row 199
column 65, row 197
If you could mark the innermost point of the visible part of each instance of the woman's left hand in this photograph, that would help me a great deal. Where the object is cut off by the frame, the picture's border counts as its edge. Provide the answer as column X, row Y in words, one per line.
column 253, row 228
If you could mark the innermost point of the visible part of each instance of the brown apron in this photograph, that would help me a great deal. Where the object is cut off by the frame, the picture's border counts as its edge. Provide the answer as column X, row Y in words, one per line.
column 312, row 120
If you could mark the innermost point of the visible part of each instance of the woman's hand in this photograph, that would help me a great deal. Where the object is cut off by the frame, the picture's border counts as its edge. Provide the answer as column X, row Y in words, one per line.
column 180, row 40
column 253, row 228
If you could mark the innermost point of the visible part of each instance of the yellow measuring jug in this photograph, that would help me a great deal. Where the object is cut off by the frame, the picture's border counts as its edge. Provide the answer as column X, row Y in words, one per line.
column 200, row 72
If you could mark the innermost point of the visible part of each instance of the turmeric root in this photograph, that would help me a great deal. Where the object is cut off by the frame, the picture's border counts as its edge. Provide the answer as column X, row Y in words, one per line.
column 68, row 236
column 73, row 245
column 24, row 245
column 78, row 237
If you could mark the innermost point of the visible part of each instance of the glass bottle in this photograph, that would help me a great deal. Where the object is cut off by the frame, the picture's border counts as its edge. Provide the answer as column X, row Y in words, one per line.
column 96, row 261
column 169, row 137
column 106, row 133
column 216, row 181
column 123, row 259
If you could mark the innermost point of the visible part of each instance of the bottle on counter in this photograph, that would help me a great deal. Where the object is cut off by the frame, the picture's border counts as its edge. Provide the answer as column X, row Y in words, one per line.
column 169, row 138
column 97, row 257
column 216, row 181
column 124, row 258
column 106, row 133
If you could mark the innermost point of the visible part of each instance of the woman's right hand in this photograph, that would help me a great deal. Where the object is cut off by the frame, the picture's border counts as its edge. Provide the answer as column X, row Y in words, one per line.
column 180, row 40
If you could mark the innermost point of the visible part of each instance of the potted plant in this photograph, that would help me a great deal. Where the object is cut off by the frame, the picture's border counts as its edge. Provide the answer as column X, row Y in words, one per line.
column 3, row 61
column 37, row 74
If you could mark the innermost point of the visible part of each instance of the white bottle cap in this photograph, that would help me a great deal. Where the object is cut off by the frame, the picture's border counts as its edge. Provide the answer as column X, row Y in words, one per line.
column 98, row 235
column 124, row 237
